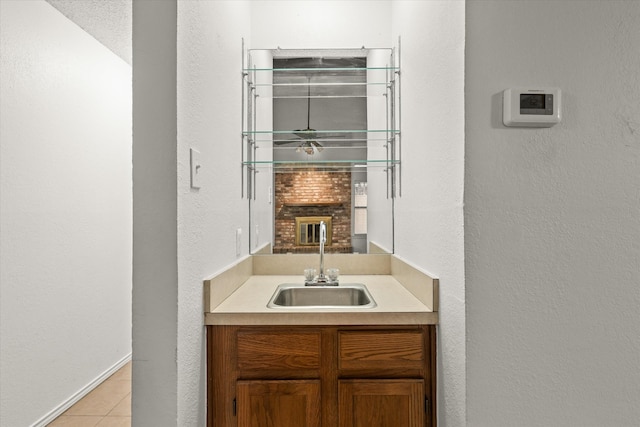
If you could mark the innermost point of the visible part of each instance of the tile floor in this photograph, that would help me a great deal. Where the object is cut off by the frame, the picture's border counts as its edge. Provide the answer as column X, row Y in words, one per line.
column 108, row 405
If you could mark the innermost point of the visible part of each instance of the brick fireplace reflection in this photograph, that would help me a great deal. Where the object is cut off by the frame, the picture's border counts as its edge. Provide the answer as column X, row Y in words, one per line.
column 312, row 192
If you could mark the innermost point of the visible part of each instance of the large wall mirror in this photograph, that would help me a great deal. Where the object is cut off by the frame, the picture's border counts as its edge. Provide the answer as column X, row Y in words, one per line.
column 321, row 143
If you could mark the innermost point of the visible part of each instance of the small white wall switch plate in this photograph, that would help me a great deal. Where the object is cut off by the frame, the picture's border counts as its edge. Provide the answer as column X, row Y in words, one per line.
column 238, row 241
column 196, row 169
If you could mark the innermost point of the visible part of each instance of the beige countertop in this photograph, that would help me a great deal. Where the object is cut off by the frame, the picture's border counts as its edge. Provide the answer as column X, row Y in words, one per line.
column 248, row 305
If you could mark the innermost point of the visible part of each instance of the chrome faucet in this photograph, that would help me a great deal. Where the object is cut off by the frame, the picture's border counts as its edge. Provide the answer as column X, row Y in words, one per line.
column 322, row 280
column 323, row 240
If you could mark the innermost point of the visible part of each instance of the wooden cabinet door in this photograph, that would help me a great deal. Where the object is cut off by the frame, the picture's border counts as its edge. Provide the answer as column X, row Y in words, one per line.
column 289, row 403
column 381, row 403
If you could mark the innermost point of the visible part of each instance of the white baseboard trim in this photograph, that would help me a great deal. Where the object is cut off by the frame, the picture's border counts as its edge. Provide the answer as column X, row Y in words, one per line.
column 56, row 412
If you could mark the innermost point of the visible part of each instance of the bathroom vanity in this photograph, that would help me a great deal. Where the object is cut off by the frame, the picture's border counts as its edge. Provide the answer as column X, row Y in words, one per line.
column 315, row 366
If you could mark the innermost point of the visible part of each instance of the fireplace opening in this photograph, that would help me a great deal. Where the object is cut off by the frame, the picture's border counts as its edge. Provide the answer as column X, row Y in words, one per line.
column 308, row 230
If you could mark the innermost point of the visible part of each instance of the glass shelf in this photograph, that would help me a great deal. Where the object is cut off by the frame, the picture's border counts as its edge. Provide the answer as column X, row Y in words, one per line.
column 314, row 84
column 312, row 132
column 321, row 90
column 318, row 162
column 322, row 69
column 324, row 165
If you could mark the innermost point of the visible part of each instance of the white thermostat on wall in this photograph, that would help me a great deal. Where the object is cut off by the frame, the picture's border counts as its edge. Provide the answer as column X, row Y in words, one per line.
column 537, row 108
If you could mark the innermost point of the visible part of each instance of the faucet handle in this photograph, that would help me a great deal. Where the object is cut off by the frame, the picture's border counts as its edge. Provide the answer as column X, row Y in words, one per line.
column 309, row 274
column 332, row 274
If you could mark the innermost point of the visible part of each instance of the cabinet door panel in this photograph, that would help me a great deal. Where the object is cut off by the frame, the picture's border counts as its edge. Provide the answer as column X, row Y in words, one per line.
column 381, row 403
column 278, row 403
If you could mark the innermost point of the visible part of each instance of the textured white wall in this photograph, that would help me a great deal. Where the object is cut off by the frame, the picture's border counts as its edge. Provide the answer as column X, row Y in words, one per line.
column 108, row 21
column 552, row 217
column 65, row 210
column 209, row 94
column 429, row 215
column 320, row 24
